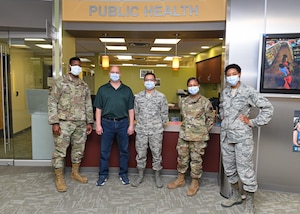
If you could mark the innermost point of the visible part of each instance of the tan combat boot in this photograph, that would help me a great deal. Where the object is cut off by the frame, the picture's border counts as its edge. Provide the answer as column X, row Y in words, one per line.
column 60, row 180
column 249, row 205
column 179, row 182
column 75, row 174
column 235, row 198
column 193, row 187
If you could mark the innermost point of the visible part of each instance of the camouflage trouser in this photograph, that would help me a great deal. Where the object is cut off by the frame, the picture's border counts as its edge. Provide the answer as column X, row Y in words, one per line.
column 73, row 133
column 141, row 146
column 238, row 163
column 190, row 153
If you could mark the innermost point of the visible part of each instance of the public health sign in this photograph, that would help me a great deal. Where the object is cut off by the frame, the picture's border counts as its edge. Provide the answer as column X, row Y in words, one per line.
column 143, row 10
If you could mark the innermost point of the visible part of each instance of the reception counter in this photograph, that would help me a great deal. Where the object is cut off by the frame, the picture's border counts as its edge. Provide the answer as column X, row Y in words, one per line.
column 211, row 159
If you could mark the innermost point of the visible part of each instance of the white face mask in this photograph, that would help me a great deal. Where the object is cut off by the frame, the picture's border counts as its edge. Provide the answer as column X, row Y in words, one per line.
column 76, row 70
column 114, row 77
column 149, row 85
column 233, row 80
column 193, row 90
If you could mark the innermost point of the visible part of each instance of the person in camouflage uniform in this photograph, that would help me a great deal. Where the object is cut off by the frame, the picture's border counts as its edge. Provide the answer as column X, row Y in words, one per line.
column 237, row 144
column 70, row 113
column 151, row 113
column 198, row 119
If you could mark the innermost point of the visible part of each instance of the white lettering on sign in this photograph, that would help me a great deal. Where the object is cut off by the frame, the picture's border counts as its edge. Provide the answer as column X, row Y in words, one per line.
column 151, row 11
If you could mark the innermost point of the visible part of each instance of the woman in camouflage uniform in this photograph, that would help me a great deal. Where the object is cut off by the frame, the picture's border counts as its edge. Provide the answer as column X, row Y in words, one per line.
column 198, row 119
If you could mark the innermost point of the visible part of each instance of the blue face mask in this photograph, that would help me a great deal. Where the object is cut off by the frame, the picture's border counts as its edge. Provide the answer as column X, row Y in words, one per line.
column 193, row 90
column 114, row 77
column 233, row 80
column 149, row 85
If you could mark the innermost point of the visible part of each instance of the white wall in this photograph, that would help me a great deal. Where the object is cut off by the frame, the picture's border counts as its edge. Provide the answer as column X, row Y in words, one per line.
column 278, row 167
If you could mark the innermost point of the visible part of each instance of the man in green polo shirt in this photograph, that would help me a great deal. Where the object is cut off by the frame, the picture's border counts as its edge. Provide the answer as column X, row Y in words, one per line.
column 114, row 104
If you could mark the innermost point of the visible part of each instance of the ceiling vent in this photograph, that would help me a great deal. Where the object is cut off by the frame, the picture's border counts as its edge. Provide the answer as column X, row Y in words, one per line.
column 139, row 44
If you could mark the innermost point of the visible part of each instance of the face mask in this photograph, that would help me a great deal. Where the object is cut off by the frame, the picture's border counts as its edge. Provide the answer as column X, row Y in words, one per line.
column 149, row 85
column 114, row 77
column 76, row 70
column 193, row 90
column 233, row 80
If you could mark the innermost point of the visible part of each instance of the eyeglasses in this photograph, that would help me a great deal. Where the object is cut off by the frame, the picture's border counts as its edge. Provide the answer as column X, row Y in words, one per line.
column 149, row 80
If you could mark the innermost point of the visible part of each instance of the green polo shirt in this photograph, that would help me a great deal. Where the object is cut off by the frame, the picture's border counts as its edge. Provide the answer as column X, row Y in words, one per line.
column 114, row 103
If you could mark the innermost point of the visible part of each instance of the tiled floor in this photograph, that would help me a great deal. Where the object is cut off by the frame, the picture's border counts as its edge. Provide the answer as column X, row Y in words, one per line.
column 31, row 190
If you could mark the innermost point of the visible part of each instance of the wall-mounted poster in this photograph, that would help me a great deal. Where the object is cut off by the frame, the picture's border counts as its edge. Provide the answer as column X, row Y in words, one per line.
column 296, row 131
column 280, row 67
column 157, row 84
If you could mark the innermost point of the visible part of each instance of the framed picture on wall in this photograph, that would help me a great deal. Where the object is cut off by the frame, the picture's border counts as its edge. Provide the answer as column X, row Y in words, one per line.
column 157, row 84
column 145, row 71
column 280, row 64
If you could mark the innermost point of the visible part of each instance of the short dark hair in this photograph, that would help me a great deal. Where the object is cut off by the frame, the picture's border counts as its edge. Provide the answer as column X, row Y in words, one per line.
column 192, row 78
column 150, row 73
column 235, row 66
column 75, row 58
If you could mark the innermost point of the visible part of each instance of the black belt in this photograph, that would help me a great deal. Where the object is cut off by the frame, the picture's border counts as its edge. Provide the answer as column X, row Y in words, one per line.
column 114, row 119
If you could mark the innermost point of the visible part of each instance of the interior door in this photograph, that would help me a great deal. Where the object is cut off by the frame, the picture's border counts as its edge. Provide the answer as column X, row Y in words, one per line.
column 6, row 147
column 25, row 63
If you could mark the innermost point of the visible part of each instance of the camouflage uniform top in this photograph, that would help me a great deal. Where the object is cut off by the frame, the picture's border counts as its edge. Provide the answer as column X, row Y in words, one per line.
column 69, row 100
column 231, row 107
column 198, row 118
column 151, row 112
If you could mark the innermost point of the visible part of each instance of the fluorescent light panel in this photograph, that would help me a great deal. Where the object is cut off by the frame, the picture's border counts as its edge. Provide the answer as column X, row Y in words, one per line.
column 34, row 39
column 120, row 57
column 170, row 58
column 44, row 46
column 166, row 41
column 112, row 40
column 85, row 60
column 116, row 48
column 160, row 49
column 19, row 46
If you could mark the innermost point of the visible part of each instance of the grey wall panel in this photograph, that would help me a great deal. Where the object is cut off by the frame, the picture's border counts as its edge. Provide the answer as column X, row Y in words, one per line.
column 283, row 16
column 33, row 14
column 245, row 23
column 278, row 166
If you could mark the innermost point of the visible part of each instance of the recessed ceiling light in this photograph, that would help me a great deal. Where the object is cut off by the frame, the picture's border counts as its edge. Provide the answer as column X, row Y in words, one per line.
column 112, row 40
column 45, row 46
column 168, row 58
column 166, row 41
column 34, row 39
column 126, row 64
column 193, row 53
column 19, row 46
column 161, row 65
column 85, row 60
column 205, row 47
column 124, row 57
column 116, row 48
column 160, row 49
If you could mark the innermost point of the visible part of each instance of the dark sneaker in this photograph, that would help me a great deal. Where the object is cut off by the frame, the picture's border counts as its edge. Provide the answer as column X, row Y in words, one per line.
column 124, row 179
column 101, row 181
